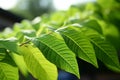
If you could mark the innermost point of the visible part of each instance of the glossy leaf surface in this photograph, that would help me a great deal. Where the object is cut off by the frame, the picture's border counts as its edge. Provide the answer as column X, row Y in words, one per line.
column 79, row 44
column 56, row 51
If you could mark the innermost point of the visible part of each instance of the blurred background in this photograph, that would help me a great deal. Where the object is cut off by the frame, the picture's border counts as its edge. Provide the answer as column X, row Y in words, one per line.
column 31, row 8
column 12, row 11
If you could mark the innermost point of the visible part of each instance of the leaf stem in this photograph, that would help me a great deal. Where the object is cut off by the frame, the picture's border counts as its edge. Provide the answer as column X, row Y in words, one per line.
column 25, row 43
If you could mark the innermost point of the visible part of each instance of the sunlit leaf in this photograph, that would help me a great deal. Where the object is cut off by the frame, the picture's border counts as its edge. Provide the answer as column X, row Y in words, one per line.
column 56, row 51
column 37, row 64
column 18, row 59
column 8, row 69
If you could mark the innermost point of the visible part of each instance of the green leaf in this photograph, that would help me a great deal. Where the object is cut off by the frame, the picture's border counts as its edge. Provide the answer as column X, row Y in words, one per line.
column 104, row 50
column 18, row 59
column 62, row 17
column 26, row 24
column 25, row 33
column 93, row 24
column 73, row 12
column 105, row 4
column 6, row 33
column 112, row 34
column 8, row 69
column 29, row 33
column 9, row 44
column 37, row 64
column 36, row 23
column 2, row 53
column 56, row 51
column 79, row 44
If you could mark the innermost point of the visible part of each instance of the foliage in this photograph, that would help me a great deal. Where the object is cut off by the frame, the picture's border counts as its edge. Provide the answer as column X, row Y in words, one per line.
column 54, row 41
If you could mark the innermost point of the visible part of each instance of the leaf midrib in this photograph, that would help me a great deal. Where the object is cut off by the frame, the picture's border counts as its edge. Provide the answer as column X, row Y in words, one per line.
column 59, row 55
column 80, row 48
column 101, row 49
column 36, row 59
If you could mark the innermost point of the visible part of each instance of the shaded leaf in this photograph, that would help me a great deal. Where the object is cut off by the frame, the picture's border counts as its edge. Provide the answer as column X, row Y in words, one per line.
column 104, row 50
column 2, row 53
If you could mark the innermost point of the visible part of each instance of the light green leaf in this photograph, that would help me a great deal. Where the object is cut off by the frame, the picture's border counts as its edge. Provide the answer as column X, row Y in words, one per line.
column 37, row 64
column 79, row 44
column 104, row 50
column 20, row 63
column 56, row 51
column 9, row 44
column 8, row 69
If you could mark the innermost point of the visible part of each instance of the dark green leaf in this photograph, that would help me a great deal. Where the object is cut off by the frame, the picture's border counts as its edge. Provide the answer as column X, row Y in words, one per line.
column 104, row 50
column 2, row 53
column 79, row 44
